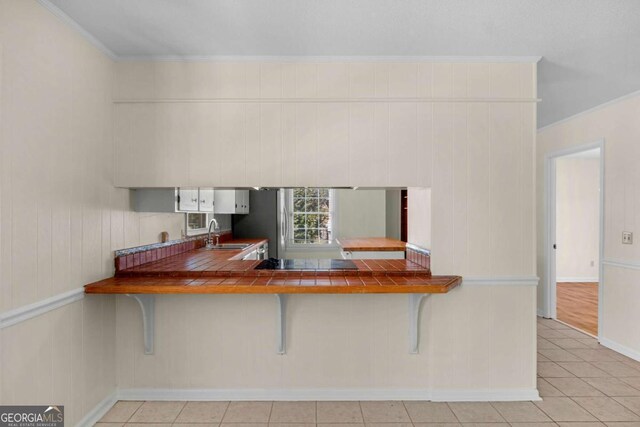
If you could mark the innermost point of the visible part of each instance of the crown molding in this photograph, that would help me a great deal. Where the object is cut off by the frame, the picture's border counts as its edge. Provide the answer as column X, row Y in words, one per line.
column 70, row 22
column 329, row 58
column 590, row 110
column 531, row 59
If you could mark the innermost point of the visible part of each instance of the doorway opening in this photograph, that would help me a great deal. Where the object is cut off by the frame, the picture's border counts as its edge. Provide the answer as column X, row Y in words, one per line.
column 575, row 236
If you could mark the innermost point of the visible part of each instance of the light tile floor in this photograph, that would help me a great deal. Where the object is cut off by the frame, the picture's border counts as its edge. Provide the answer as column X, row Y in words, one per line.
column 582, row 384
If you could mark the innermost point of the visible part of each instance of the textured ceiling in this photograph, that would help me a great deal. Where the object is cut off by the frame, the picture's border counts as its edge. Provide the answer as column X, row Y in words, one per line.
column 590, row 48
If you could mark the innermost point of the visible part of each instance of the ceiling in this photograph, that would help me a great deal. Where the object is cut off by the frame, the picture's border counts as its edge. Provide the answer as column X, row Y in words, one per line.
column 590, row 48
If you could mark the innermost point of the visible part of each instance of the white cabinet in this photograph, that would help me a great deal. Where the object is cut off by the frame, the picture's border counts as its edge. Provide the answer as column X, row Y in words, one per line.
column 188, row 200
column 173, row 200
column 206, row 199
column 231, row 201
column 243, row 197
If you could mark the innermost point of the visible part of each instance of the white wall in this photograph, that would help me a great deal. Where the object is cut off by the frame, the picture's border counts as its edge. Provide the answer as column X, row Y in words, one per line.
column 393, row 218
column 616, row 123
column 578, row 219
column 470, row 139
column 303, row 123
column 60, row 216
column 419, row 216
column 361, row 213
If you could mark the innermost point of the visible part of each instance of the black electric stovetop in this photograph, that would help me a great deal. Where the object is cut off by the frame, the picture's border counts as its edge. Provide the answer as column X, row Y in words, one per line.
column 306, row 264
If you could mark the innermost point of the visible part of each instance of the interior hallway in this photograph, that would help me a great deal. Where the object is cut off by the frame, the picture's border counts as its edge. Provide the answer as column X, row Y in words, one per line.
column 577, row 305
column 578, row 379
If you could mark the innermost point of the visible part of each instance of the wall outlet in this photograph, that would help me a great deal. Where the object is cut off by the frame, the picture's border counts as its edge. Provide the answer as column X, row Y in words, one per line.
column 627, row 238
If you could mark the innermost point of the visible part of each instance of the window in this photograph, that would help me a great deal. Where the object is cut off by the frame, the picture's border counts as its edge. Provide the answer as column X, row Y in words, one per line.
column 310, row 216
column 196, row 223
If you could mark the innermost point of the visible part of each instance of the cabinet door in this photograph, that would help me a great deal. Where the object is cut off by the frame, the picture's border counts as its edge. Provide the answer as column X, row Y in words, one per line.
column 225, row 201
column 206, row 200
column 188, row 199
column 242, row 200
column 246, row 201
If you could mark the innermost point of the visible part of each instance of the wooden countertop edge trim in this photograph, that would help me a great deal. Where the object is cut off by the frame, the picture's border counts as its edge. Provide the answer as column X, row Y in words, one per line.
column 372, row 249
column 373, row 246
column 453, row 281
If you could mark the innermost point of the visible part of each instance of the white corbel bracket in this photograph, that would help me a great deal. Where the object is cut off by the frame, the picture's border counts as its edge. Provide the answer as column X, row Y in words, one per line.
column 281, row 334
column 415, row 302
column 147, row 308
column 147, row 305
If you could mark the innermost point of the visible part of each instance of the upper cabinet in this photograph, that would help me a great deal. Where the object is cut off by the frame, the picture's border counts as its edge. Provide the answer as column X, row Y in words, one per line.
column 187, row 200
column 232, row 201
column 195, row 200
column 308, row 124
column 174, row 200
column 205, row 200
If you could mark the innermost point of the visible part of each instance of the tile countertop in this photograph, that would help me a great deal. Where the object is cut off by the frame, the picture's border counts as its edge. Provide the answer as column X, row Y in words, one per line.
column 371, row 244
column 223, row 271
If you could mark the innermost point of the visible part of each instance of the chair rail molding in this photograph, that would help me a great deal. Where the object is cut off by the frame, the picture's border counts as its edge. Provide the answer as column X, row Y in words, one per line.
column 633, row 265
column 500, row 280
column 26, row 312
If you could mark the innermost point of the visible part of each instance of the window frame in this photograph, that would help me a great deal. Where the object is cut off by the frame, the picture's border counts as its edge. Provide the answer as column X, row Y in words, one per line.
column 289, row 212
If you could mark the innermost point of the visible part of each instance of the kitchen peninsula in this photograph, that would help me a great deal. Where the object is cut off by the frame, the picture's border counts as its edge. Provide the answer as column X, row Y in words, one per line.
column 191, row 268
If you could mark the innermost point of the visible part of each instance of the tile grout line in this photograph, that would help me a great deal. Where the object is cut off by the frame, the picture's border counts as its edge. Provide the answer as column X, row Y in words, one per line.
column 134, row 412
column 179, row 412
column 270, row 412
column 454, row 413
column 404, row 405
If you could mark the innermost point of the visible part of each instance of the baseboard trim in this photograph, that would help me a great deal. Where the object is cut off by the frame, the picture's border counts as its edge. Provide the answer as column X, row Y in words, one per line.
column 489, row 395
column 98, row 411
column 500, row 281
column 483, row 395
column 633, row 354
column 26, row 312
column 577, row 279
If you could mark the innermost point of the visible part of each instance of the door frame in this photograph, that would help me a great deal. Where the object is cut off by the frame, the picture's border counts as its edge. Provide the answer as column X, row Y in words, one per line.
column 550, row 227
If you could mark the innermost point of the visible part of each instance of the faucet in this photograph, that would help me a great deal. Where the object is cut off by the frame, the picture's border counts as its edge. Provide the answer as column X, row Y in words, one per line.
column 216, row 231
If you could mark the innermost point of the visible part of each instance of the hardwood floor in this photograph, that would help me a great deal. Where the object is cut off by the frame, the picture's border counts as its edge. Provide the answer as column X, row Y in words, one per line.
column 577, row 305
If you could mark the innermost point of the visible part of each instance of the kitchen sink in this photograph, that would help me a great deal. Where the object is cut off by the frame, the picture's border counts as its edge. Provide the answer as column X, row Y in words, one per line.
column 228, row 246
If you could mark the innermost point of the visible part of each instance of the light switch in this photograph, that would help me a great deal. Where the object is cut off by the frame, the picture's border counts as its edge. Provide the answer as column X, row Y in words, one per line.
column 627, row 237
